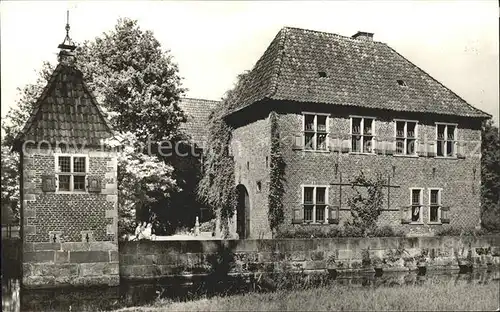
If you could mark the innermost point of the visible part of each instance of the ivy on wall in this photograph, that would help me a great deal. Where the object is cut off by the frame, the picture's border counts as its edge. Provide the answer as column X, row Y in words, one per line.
column 365, row 207
column 277, row 177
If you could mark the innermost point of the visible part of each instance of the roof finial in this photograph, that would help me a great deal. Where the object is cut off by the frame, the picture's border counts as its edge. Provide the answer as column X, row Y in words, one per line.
column 69, row 45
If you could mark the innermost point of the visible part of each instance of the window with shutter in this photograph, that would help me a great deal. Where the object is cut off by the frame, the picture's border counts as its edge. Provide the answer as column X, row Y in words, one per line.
column 315, row 204
column 48, row 183
column 434, row 205
column 315, row 132
column 416, row 205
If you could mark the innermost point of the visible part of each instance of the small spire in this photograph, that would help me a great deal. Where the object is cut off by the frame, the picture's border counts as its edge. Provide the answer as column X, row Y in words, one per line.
column 67, row 47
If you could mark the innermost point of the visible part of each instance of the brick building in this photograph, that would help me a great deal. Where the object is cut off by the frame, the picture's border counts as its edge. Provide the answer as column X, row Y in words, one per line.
column 68, row 185
column 346, row 105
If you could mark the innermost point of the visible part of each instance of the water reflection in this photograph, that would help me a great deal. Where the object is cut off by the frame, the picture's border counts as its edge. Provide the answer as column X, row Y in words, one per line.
column 128, row 294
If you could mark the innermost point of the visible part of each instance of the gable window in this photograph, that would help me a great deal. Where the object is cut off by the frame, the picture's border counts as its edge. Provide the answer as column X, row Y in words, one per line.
column 434, row 206
column 446, row 140
column 416, row 205
column 406, row 137
column 315, row 199
column 71, row 172
column 315, row 128
column 362, row 133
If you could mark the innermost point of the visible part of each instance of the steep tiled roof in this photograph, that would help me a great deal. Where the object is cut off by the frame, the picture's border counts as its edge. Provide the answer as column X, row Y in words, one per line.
column 66, row 112
column 356, row 72
column 198, row 112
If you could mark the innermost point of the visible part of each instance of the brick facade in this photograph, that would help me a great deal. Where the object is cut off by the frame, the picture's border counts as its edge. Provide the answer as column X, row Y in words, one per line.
column 459, row 178
column 69, row 237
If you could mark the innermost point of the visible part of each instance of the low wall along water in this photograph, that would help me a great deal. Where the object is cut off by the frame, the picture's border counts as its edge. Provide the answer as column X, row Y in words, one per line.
column 170, row 259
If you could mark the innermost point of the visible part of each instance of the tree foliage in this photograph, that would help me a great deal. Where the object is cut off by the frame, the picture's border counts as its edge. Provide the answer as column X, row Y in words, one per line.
column 277, row 177
column 10, row 187
column 490, row 177
column 365, row 207
column 138, row 86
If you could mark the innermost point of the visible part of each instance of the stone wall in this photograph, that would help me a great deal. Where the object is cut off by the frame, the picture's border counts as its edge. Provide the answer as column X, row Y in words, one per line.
column 69, row 237
column 163, row 259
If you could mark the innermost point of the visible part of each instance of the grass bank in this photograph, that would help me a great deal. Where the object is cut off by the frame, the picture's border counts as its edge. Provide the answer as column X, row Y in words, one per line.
column 432, row 297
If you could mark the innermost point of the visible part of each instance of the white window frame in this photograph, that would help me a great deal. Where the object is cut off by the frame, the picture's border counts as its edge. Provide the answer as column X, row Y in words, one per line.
column 361, row 130
column 71, row 174
column 455, row 139
column 315, row 186
column 327, row 124
column 440, row 205
column 421, row 201
column 405, row 152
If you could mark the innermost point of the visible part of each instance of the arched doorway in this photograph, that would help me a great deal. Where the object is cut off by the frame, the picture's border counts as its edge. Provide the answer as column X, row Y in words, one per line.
column 243, row 212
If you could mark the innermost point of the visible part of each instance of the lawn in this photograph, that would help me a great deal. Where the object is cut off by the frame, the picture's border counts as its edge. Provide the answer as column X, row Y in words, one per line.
column 436, row 296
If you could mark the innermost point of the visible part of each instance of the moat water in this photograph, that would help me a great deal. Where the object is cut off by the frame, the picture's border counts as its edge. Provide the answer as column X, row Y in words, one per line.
column 15, row 298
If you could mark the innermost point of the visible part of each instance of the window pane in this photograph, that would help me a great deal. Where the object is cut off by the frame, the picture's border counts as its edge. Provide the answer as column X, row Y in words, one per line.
column 400, row 129
column 63, row 182
column 440, row 148
column 321, row 142
column 79, row 164
column 434, row 212
column 356, row 143
column 321, row 121
column 308, row 213
column 64, row 164
column 308, row 195
column 309, row 137
column 356, row 126
column 415, row 197
column 367, row 144
column 320, row 195
column 309, row 122
column 441, row 132
column 320, row 213
column 367, row 127
column 410, row 146
column 79, row 183
column 415, row 213
column 450, row 148
column 451, row 132
column 400, row 146
column 410, row 129
column 434, row 197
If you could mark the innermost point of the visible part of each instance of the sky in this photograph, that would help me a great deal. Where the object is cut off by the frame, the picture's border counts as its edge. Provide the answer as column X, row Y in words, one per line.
column 456, row 42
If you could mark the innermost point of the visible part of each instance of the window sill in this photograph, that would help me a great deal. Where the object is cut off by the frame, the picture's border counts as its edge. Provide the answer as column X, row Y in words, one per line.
column 446, row 157
column 416, row 223
column 405, row 156
column 311, row 151
column 314, row 223
column 434, row 223
column 358, row 153
column 71, row 192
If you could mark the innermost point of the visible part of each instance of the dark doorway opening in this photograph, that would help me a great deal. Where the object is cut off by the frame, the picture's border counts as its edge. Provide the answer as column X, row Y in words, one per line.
column 243, row 212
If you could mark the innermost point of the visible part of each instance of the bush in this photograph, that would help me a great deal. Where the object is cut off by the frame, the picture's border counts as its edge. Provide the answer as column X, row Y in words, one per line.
column 347, row 231
column 452, row 231
column 208, row 226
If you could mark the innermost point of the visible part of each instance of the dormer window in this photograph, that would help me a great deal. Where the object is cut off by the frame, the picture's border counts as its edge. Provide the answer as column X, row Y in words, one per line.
column 322, row 74
column 401, row 83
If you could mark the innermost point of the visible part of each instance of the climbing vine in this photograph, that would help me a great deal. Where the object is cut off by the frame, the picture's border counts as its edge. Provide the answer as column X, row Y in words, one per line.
column 277, row 177
column 216, row 187
column 367, row 207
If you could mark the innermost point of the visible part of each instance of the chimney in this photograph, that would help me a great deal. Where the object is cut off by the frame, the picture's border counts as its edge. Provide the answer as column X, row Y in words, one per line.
column 361, row 35
column 66, row 55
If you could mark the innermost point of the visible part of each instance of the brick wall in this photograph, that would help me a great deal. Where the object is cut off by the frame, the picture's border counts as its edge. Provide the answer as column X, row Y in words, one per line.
column 460, row 186
column 161, row 259
column 69, row 238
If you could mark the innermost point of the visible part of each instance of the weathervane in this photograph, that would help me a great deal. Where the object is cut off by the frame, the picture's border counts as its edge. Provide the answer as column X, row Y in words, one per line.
column 69, row 45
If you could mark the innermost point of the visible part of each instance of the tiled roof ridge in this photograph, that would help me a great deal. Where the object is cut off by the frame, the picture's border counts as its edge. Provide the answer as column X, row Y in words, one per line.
column 439, row 82
column 332, row 35
column 199, row 99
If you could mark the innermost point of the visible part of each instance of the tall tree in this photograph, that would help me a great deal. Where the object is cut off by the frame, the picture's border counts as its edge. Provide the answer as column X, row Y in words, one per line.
column 138, row 86
column 490, row 177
